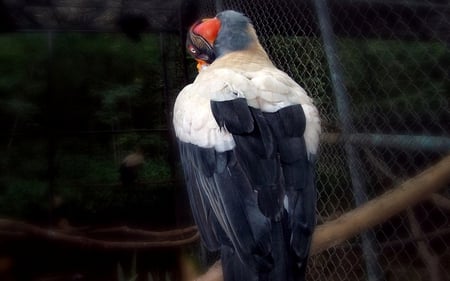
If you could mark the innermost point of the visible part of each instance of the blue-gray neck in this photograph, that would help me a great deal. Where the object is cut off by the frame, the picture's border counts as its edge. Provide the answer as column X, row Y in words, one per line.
column 233, row 34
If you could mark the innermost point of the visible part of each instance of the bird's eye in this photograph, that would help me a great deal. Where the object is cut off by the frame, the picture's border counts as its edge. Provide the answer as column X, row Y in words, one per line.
column 192, row 50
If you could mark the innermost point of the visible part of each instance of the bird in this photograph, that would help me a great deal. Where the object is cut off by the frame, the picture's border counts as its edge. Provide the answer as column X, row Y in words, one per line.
column 248, row 138
column 130, row 167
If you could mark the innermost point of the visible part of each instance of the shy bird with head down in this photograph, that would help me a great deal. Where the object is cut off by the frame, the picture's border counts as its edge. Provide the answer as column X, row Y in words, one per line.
column 248, row 138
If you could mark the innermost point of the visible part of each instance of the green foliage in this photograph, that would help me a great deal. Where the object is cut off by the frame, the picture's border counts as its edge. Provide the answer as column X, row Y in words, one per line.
column 92, row 80
column 22, row 77
column 156, row 169
column 77, row 83
column 24, row 197
column 383, row 77
column 395, row 76
column 78, row 167
column 113, row 98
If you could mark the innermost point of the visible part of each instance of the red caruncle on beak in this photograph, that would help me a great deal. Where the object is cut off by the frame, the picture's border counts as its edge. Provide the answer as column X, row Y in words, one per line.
column 208, row 29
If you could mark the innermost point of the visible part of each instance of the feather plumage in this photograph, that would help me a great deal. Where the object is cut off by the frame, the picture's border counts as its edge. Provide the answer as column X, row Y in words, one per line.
column 247, row 135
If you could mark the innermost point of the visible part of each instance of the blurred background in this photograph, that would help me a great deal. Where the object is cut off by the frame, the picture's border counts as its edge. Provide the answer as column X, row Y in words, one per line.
column 88, row 152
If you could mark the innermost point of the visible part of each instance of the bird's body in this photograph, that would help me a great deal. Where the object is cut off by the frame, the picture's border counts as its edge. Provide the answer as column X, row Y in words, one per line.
column 248, row 135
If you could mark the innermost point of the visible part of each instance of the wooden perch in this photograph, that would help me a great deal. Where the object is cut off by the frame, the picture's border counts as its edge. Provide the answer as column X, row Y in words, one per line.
column 374, row 212
column 380, row 209
column 173, row 238
column 125, row 230
column 441, row 201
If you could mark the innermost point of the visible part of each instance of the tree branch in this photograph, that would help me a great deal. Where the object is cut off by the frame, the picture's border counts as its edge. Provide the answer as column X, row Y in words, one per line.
column 146, row 233
column 17, row 228
column 380, row 209
column 441, row 201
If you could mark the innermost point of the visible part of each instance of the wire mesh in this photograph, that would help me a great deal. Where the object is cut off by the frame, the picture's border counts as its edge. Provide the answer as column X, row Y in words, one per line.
column 394, row 57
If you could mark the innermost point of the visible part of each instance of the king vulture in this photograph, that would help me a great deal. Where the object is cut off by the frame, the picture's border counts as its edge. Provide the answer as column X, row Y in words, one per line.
column 248, row 136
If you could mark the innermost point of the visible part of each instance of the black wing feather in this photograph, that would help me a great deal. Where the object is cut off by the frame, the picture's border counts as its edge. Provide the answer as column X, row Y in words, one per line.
column 234, row 115
column 288, row 125
column 237, row 196
column 226, row 201
column 255, row 150
column 202, row 211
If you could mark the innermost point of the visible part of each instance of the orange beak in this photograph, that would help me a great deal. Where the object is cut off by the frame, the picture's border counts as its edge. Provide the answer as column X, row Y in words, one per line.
column 201, row 64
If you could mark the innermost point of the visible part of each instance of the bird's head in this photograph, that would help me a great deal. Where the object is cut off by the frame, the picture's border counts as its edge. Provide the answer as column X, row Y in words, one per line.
column 211, row 38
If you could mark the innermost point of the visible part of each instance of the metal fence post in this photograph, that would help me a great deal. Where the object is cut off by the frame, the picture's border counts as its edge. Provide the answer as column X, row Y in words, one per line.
column 374, row 271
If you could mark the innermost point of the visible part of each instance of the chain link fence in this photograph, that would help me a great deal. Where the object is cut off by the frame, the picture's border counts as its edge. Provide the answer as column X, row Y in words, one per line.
column 379, row 73
column 377, row 69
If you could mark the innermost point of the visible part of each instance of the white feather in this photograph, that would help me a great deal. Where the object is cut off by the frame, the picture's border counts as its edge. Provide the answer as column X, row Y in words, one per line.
column 312, row 129
column 268, row 89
